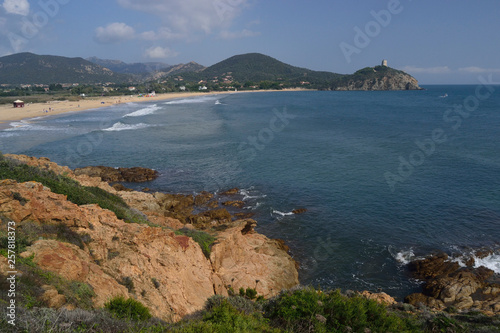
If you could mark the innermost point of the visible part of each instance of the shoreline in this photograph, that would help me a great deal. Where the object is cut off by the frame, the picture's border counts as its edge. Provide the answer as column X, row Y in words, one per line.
column 9, row 114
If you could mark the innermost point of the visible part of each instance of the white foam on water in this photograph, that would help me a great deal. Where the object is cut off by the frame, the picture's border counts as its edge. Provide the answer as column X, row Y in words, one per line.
column 119, row 126
column 277, row 212
column 403, row 257
column 192, row 100
column 27, row 125
column 254, row 207
column 18, row 125
column 144, row 112
column 246, row 195
column 4, row 134
column 492, row 262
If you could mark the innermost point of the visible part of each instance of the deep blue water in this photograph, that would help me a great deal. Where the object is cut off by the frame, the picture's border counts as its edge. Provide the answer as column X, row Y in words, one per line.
column 385, row 176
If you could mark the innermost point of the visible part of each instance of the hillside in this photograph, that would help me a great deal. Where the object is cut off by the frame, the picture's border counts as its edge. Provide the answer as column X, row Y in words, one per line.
column 254, row 68
column 246, row 71
column 191, row 67
column 376, row 78
column 257, row 67
column 29, row 68
column 119, row 66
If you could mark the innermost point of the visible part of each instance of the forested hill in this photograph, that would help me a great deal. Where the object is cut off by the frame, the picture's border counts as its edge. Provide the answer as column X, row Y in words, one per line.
column 29, row 68
column 258, row 67
column 246, row 71
column 252, row 68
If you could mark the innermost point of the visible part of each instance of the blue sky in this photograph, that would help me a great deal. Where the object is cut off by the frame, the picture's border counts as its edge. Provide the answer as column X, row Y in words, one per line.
column 438, row 41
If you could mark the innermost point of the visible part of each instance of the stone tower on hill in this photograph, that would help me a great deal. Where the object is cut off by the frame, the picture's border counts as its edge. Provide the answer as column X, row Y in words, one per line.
column 384, row 63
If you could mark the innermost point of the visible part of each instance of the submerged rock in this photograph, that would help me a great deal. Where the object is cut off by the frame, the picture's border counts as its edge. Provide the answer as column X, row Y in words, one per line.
column 299, row 211
column 232, row 191
column 234, row 203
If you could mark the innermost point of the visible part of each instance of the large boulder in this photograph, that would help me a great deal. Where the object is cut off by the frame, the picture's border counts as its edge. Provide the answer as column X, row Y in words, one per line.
column 242, row 258
column 447, row 284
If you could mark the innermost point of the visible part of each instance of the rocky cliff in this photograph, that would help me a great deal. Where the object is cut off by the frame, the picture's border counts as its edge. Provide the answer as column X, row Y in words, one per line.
column 377, row 78
column 155, row 263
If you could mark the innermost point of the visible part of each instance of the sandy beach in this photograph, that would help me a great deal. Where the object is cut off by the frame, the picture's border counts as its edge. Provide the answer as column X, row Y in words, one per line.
column 10, row 114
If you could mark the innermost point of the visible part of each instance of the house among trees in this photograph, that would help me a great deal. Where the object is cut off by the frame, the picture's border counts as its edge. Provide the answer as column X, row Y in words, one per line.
column 18, row 104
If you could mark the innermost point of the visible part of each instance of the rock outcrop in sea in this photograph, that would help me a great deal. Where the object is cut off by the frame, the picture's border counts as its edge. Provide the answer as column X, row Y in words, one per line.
column 157, row 264
column 377, row 78
column 449, row 285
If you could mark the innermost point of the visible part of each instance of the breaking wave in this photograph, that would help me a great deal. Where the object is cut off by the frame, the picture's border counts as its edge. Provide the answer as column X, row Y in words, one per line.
column 119, row 126
column 144, row 112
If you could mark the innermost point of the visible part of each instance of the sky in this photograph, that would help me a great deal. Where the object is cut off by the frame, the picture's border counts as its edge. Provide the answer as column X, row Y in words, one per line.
column 436, row 41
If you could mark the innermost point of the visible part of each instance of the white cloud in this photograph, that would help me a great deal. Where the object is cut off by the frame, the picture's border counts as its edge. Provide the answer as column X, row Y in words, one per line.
column 114, row 33
column 19, row 7
column 158, row 52
column 188, row 17
column 427, row 70
column 478, row 70
column 238, row 34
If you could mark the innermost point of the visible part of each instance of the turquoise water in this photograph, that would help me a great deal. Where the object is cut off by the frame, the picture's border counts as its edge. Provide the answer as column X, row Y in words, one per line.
column 385, row 176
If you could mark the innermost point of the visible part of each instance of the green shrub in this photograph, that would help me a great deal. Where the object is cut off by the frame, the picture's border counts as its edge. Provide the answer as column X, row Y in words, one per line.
column 251, row 293
column 76, row 193
column 202, row 238
column 242, row 304
column 444, row 323
column 129, row 309
column 226, row 318
column 307, row 309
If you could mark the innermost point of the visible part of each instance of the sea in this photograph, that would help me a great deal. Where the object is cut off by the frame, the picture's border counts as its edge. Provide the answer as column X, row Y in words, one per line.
column 385, row 176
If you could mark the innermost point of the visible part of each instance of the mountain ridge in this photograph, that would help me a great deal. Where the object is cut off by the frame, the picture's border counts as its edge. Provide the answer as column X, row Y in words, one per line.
column 251, row 70
column 24, row 68
column 119, row 66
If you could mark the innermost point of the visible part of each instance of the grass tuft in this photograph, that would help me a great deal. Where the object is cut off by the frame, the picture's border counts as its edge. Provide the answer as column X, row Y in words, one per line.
column 129, row 309
column 76, row 193
column 205, row 240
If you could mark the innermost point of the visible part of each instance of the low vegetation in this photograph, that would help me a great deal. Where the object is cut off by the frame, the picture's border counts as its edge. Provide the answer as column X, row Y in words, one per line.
column 128, row 309
column 76, row 193
column 204, row 239
column 300, row 310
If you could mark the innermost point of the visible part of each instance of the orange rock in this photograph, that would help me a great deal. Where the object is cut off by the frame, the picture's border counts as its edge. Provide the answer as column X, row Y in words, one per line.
column 240, row 260
column 169, row 274
column 381, row 298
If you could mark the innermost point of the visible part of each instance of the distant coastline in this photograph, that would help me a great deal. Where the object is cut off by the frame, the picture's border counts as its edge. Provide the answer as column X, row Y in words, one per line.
column 10, row 114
